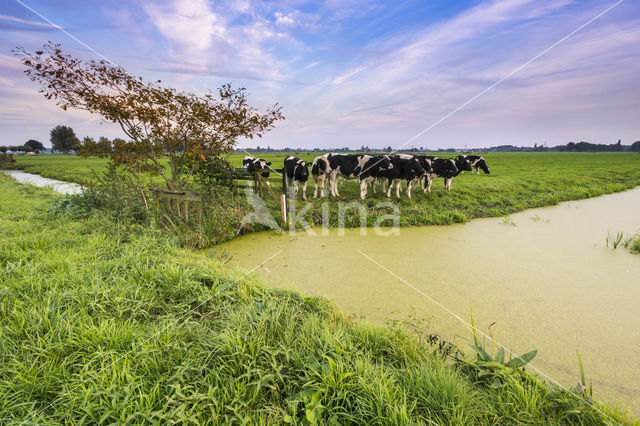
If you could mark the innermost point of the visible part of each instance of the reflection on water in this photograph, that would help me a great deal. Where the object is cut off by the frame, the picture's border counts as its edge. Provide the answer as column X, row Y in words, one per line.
column 549, row 282
column 37, row 180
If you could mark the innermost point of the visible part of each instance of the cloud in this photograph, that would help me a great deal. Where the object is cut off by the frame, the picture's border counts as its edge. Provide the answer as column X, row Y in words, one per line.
column 27, row 21
column 189, row 24
column 204, row 40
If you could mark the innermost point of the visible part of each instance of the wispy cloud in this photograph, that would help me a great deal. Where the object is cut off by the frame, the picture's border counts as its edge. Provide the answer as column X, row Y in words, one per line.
column 26, row 21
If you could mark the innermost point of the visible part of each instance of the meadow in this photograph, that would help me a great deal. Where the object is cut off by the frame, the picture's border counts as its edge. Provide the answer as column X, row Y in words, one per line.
column 105, row 323
column 518, row 181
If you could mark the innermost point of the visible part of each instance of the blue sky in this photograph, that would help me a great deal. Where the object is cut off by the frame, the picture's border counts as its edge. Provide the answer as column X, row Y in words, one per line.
column 352, row 73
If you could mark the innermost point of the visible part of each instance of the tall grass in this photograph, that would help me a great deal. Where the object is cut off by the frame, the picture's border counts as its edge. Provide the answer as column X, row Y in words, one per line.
column 106, row 323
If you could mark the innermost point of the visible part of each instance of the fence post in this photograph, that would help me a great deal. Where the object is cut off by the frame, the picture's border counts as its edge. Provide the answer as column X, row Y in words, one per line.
column 283, row 198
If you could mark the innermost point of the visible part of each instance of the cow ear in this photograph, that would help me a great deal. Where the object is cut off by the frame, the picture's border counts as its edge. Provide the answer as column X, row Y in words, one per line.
column 268, row 163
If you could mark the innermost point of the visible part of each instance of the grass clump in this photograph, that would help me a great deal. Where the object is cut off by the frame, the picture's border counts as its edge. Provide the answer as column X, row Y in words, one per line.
column 102, row 322
column 631, row 242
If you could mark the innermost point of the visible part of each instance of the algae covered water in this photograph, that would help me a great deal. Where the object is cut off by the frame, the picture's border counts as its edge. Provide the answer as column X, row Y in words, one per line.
column 544, row 276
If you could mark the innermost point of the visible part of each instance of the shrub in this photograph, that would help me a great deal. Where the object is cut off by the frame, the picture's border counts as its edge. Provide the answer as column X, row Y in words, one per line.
column 6, row 161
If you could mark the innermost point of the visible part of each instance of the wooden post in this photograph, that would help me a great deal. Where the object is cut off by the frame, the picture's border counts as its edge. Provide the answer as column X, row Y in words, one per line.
column 283, row 209
column 285, row 183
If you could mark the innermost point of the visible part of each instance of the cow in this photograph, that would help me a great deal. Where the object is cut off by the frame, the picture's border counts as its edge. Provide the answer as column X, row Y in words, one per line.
column 348, row 166
column 257, row 166
column 320, row 169
column 405, row 167
column 477, row 163
column 297, row 171
column 460, row 163
column 441, row 167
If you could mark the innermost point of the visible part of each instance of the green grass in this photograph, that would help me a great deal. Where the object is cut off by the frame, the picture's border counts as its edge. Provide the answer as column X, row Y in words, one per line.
column 518, row 181
column 101, row 323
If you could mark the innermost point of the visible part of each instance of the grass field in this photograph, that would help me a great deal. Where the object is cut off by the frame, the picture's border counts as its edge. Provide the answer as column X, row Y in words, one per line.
column 517, row 181
column 101, row 323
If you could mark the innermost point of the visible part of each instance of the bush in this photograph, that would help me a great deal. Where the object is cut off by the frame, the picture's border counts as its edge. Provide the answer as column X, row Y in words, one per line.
column 114, row 193
column 215, row 172
column 6, row 161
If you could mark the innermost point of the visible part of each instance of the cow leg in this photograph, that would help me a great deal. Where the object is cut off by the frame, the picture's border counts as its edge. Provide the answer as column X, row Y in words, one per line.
column 295, row 188
column 363, row 187
column 332, row 183
column 304, row 191
column 398, row 182
column 323, row 188
column 426, row 184
column 447, row 183
column 409, row 184
column 315, row 184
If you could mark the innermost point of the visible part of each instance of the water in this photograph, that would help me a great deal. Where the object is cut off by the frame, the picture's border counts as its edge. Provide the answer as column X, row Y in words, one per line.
column 37, row 180
column 549, row 283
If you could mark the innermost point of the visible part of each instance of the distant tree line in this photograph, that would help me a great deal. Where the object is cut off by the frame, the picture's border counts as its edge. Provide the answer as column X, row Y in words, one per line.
column 570, row 147
column 63, row 139
column 31, row 145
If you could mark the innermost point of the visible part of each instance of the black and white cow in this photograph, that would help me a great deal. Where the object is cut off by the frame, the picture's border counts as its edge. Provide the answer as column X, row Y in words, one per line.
column 441, row 167
column 320, row 170
column 297, row 171
column 348, row 166
column 255, row 165
column 405, row 167
column 477, row 163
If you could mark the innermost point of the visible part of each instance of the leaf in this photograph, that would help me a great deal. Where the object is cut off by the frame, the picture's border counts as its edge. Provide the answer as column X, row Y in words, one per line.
column 482, row 354
column 500, row 355
column 311, row 416
column 582, row 379
column 522, row 360
column 473, row 327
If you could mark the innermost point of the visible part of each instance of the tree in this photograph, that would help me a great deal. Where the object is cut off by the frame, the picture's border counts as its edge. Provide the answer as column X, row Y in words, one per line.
column 635, row 147
column 159, row 121
column 4, row 149
column 62, row 139
column 34, row 145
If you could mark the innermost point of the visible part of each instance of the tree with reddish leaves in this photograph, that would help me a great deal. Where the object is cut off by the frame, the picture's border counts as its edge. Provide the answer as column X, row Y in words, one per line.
column 187, row 128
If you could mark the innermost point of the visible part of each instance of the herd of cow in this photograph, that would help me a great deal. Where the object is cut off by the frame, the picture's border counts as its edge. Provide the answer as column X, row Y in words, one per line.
column 386, row 170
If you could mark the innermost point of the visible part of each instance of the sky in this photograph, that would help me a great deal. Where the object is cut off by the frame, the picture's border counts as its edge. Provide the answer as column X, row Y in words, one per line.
column 431, row 74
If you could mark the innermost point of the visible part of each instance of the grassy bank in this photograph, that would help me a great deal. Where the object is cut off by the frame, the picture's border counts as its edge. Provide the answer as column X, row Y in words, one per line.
column 100, row 323
column 518, row 181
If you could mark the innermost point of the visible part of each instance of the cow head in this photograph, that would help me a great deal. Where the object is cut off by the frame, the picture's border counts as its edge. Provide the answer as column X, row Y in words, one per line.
column 483, row 165
column 426, row 164
column 301, row 172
